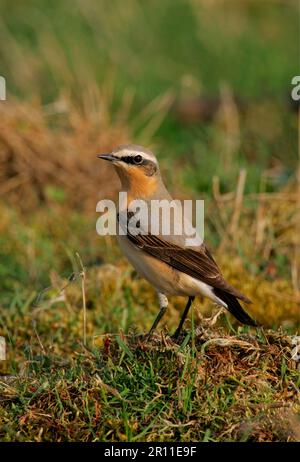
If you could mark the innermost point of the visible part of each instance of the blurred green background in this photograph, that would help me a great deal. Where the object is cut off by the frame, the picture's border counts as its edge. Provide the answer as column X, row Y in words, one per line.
column 147, row 48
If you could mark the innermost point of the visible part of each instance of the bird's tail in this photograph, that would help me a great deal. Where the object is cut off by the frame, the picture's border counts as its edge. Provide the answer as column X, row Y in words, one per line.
column 234, row 307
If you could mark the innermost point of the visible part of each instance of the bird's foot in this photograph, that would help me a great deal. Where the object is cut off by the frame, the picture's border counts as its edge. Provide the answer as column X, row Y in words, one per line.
column 178, row 336
column 147, row 337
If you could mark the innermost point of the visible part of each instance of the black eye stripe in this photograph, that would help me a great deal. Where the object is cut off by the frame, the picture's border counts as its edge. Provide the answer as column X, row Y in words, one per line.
column 130, row 160
column 150, row 168
column 127, row 159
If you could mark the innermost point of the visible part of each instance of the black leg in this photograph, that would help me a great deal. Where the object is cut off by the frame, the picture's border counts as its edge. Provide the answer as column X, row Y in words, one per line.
column 157, row 319
column 185, row 313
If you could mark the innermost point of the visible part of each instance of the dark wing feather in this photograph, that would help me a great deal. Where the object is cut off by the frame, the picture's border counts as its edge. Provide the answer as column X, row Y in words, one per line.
column 198, row 264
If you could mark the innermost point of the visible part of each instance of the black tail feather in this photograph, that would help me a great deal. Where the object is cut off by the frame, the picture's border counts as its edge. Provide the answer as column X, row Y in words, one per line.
column 234, row 307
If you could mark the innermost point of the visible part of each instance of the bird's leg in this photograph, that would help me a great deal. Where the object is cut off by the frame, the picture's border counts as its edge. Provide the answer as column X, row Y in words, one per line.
column 185, row 313
column 163, row 304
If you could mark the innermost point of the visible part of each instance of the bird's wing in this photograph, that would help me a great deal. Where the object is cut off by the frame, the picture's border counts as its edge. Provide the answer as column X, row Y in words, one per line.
column 198, row 264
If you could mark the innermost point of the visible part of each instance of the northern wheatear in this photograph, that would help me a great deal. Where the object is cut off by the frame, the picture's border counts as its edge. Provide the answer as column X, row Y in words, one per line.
column 166, row 261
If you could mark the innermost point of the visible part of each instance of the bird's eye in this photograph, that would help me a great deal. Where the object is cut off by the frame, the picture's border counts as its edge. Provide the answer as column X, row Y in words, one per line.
column 138, row 159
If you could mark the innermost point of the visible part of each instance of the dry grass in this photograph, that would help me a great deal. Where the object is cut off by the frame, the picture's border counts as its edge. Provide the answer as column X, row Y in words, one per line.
column 50, row 152
column 37, row 160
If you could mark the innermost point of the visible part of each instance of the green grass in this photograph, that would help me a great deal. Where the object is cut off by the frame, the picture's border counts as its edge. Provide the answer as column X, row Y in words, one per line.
column 129, row 390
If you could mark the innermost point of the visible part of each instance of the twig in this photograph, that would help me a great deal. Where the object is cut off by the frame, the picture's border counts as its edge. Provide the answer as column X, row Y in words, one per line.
column 232, row 228
column 238, row 202
column 82, row 274
column 38, row 337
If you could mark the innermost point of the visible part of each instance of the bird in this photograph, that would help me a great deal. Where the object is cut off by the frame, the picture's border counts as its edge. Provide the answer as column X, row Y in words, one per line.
column 166, row 261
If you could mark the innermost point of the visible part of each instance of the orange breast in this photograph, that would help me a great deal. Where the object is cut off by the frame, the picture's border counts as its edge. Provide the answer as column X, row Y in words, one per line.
column 137, row 184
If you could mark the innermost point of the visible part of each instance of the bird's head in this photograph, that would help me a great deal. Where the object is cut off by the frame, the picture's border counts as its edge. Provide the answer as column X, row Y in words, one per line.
column 132, row 158
column 136, row 166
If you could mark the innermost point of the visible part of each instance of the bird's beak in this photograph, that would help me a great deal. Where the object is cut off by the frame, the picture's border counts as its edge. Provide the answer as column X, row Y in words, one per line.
column 109, row 157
